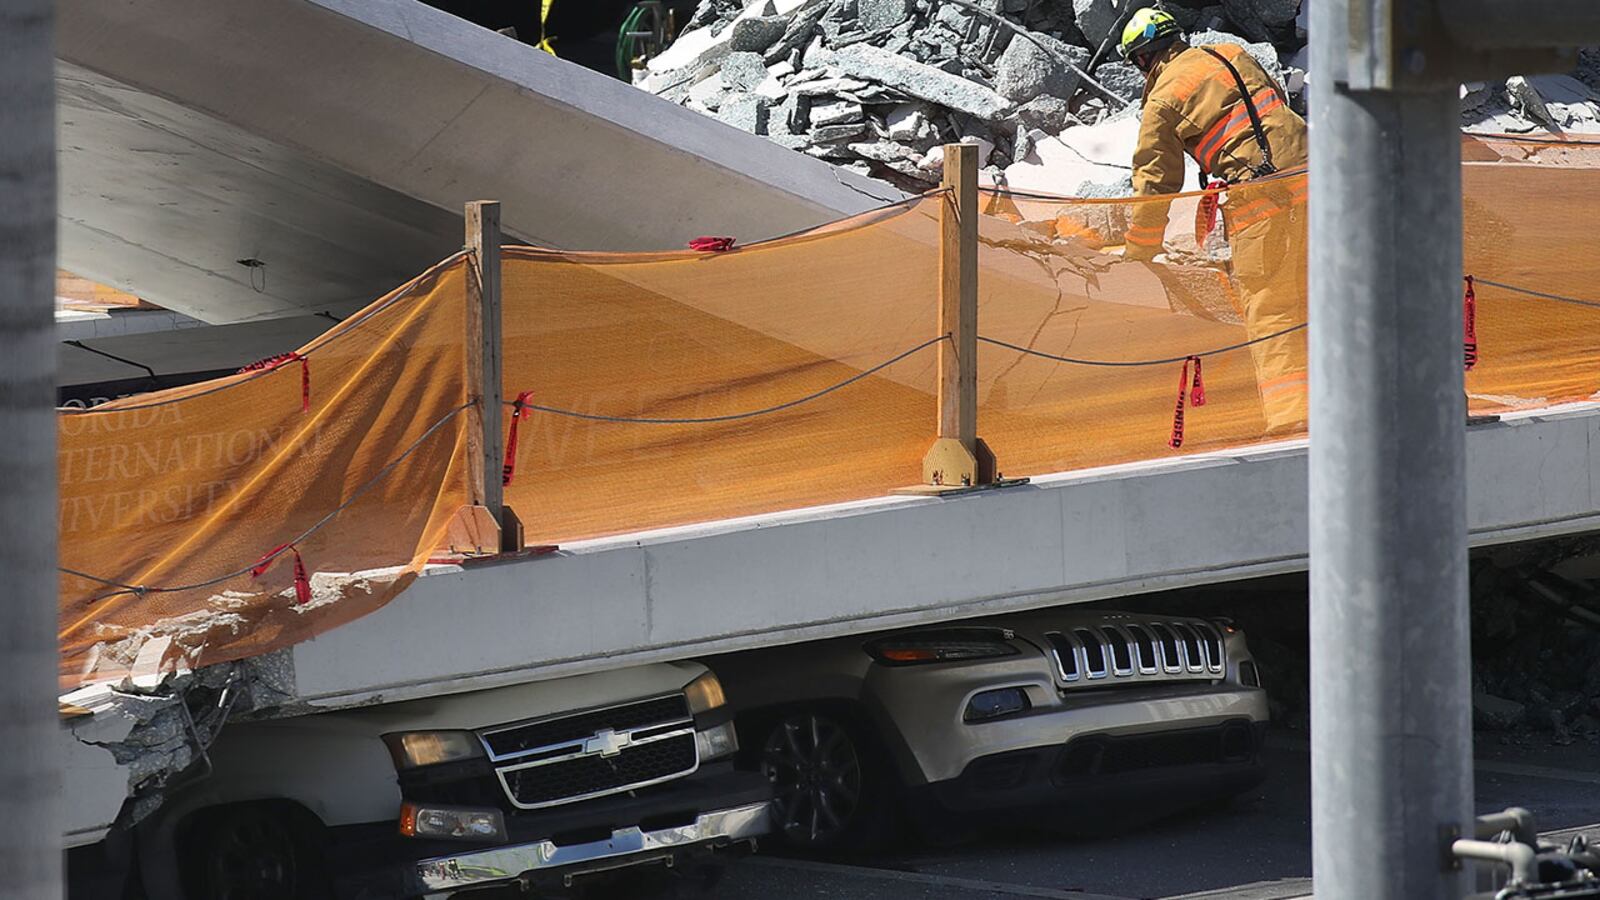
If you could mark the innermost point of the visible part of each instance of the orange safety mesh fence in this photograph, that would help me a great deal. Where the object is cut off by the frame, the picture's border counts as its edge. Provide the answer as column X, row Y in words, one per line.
column 662, row 389
column 345, row 459
column 1081, row 351
column 716, row 351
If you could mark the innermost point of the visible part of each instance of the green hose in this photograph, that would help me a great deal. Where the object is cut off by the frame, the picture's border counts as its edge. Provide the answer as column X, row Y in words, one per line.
column 624, row 54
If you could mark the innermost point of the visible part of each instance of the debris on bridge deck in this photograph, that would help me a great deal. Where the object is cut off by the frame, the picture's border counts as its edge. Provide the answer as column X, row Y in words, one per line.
column 878, row 86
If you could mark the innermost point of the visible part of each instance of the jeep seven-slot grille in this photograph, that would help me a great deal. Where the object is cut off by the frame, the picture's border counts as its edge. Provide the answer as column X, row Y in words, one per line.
column 548, row 733
column 587, row 776
column 1115, row 653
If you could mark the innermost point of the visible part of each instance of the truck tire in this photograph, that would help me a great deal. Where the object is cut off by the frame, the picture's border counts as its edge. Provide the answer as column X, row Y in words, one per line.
column 257, row 851
column 834, row 790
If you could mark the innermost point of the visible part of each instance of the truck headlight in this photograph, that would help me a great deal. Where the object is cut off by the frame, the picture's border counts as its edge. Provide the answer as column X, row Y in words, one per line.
column 716, row 742
column 461, row 823
column 704, row 694
column 411, row 749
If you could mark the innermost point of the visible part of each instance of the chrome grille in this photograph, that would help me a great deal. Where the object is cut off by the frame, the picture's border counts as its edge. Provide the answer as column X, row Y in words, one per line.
column 565, row 759
column 1121, row 652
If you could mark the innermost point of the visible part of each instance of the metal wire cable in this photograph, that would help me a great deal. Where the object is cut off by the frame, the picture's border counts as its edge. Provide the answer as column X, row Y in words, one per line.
column 1540, row 294
column 125, row 588
column 1121, row 363
column 732, row 417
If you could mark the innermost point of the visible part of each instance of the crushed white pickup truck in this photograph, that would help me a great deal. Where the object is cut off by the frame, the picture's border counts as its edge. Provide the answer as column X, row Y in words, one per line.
column 539, row 783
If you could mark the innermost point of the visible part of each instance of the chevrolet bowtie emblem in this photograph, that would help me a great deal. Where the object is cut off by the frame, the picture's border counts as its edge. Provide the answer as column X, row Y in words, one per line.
column 607, row 742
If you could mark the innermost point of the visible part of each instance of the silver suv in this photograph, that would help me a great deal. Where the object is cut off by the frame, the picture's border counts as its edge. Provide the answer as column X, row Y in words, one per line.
column 1094, row 720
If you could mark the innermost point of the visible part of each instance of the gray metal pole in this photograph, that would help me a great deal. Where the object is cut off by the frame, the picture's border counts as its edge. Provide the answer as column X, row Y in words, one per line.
column 30, row 823
column 1390, row 690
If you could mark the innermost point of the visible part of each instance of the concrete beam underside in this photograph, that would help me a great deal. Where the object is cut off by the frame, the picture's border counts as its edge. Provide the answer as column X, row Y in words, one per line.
column 885, row 563
column 336, row 141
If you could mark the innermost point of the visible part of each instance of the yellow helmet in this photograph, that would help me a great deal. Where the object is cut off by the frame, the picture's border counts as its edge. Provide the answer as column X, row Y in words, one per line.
column 1145, row 28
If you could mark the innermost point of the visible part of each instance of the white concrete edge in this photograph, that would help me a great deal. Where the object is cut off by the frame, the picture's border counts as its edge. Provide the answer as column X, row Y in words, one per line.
column 886, row 620
column 865, row 566
column 119, row 323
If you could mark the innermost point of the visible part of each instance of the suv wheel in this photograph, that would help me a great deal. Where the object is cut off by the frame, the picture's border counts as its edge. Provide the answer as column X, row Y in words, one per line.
column 830, row 783
column 253, row 853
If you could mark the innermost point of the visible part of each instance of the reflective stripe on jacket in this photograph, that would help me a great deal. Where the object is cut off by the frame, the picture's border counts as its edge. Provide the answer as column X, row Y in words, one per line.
column 1192, row 105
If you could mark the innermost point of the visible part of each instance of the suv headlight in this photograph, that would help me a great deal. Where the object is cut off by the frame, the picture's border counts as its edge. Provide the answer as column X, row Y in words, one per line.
column 942, row 645
column 704, row 694
column 412, row 749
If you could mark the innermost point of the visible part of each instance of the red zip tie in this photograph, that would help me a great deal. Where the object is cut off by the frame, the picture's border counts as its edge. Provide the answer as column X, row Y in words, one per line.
column 1469, row 326
column 272, row 362
column 711, row 244
column 302, row 584
column 1205, row 217
column 1190, row 391
column 509, row 469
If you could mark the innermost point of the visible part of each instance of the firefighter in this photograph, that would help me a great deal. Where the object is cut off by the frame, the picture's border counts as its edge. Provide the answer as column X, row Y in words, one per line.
column 1219, row 106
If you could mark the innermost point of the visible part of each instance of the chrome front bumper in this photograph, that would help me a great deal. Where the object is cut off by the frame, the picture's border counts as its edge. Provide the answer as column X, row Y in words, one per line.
column 500, row 864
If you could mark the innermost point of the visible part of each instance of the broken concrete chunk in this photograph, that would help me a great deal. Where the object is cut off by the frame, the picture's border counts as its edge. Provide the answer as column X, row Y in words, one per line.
column 797, row 33
column 743, row 71
column 1123, row 79
column 883, row 151
column 1025, row 70
column 1262, row 20
column 817, row 55
column 1525, row 100
column 746, row 112
column 825, row 86
column 1475, row 95
column 1096, row 18
column 1495, row 713
column 829, row 134
column 692, row 51
column 875, row 15
column 836, row 113
column 907, row 122
column 709, row 92
column 1047, row 114
column 1023, row 145
column 919, row 80
column 833, row 151
column 1116, row 187
column 772, row 89
column 958, row 20
column 756, row 34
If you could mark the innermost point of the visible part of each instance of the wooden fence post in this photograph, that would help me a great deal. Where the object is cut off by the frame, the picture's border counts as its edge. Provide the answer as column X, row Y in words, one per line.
column 959, row 458
column 485, row 441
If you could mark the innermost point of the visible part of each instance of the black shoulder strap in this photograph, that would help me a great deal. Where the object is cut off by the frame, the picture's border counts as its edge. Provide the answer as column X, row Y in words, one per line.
column 1266, row 167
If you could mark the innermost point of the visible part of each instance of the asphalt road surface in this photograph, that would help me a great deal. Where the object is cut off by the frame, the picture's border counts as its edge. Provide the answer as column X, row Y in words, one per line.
column 1256, row 848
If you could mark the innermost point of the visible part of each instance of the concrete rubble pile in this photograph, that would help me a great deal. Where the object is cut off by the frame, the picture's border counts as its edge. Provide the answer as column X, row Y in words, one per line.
column 157, row 723
column 878, row 86
column 1557, row 104
column 1536, row 671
